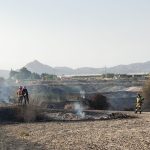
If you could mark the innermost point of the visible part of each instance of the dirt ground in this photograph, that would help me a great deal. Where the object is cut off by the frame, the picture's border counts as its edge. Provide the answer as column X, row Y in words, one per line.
column 125, row 134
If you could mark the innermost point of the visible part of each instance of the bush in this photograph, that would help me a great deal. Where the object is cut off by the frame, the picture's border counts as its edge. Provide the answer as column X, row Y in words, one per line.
column 69, row 107
column 99, row 101
column 146, row 94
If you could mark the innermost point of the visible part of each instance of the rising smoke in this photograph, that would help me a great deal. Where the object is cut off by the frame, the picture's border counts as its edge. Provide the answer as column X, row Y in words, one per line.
column 79, row 110
column 4, row 93
column 82, row 94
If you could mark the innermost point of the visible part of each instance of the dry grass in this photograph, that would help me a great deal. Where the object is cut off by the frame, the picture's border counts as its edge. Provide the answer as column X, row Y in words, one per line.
column 146, row 93
column 126, row 134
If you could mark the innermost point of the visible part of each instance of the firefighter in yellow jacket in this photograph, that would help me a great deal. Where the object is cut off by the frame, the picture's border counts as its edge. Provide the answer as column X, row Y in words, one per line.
column 139, row 102
column 20, row 95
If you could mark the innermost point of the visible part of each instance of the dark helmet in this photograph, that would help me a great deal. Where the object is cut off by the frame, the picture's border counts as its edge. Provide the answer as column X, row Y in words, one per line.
column 20, row 87
column 24, row 87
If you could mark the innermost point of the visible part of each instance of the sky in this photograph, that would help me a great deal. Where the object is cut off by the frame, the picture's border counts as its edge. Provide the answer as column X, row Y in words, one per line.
column 74, row 33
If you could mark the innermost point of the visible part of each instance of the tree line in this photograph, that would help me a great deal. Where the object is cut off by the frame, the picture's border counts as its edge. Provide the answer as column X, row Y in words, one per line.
column 25, row 74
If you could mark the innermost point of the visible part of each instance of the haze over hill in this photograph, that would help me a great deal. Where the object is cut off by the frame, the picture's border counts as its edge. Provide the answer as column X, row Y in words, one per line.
column 40, row 68
column 4, row 73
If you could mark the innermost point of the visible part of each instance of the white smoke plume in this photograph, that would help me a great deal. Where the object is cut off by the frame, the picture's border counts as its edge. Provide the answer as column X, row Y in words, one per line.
column 79, row 110
column 82, row 93
column 4, row 93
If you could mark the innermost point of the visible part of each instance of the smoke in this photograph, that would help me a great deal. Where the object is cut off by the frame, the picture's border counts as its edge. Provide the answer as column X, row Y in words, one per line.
column 79, row 110
column 82, row 93
column 4, row 93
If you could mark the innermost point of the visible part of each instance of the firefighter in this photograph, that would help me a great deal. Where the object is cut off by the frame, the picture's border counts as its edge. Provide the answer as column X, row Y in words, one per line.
column 20, row 95
column 139, row 102
column 25, row 95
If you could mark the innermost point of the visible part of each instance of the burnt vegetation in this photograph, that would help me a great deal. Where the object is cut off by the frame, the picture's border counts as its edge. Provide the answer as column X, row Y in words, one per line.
column 19, row 114
column 99, row 102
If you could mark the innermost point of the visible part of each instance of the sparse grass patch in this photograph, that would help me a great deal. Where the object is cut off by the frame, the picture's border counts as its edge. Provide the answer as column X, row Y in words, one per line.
column 24, row 134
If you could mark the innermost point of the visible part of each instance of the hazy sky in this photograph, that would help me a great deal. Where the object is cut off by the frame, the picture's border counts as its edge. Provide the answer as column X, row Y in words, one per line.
column 74, row 33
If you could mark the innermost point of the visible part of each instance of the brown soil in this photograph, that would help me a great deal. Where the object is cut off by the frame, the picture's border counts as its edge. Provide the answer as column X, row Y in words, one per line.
column 124, row 134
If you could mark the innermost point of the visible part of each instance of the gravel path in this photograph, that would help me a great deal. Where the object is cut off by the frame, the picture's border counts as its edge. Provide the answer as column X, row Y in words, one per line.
column 125, row 134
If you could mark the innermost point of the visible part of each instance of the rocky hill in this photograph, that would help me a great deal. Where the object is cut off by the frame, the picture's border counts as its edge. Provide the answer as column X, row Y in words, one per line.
column 38, row 67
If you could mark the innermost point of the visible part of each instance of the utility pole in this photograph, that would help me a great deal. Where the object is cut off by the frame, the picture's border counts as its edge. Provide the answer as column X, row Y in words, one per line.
column 105, row 71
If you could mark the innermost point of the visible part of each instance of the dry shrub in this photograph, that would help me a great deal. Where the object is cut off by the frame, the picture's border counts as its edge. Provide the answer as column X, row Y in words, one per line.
column 24, row 134
column 69, row 107
column 146, row 94
column 99, row 102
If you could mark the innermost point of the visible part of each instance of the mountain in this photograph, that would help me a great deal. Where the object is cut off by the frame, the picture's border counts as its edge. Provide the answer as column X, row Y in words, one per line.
column 89, row 70
column 40, row 68
column 4, row 73
column 64, row 70
column 131, row 68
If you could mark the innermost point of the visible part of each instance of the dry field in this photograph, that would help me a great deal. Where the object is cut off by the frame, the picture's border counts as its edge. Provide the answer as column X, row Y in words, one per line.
column 123, row 134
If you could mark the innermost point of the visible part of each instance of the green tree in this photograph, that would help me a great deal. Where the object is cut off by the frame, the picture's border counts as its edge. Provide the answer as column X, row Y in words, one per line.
column 46, row 76
column 24, row 74
column 35, row 76
column 13, row 74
